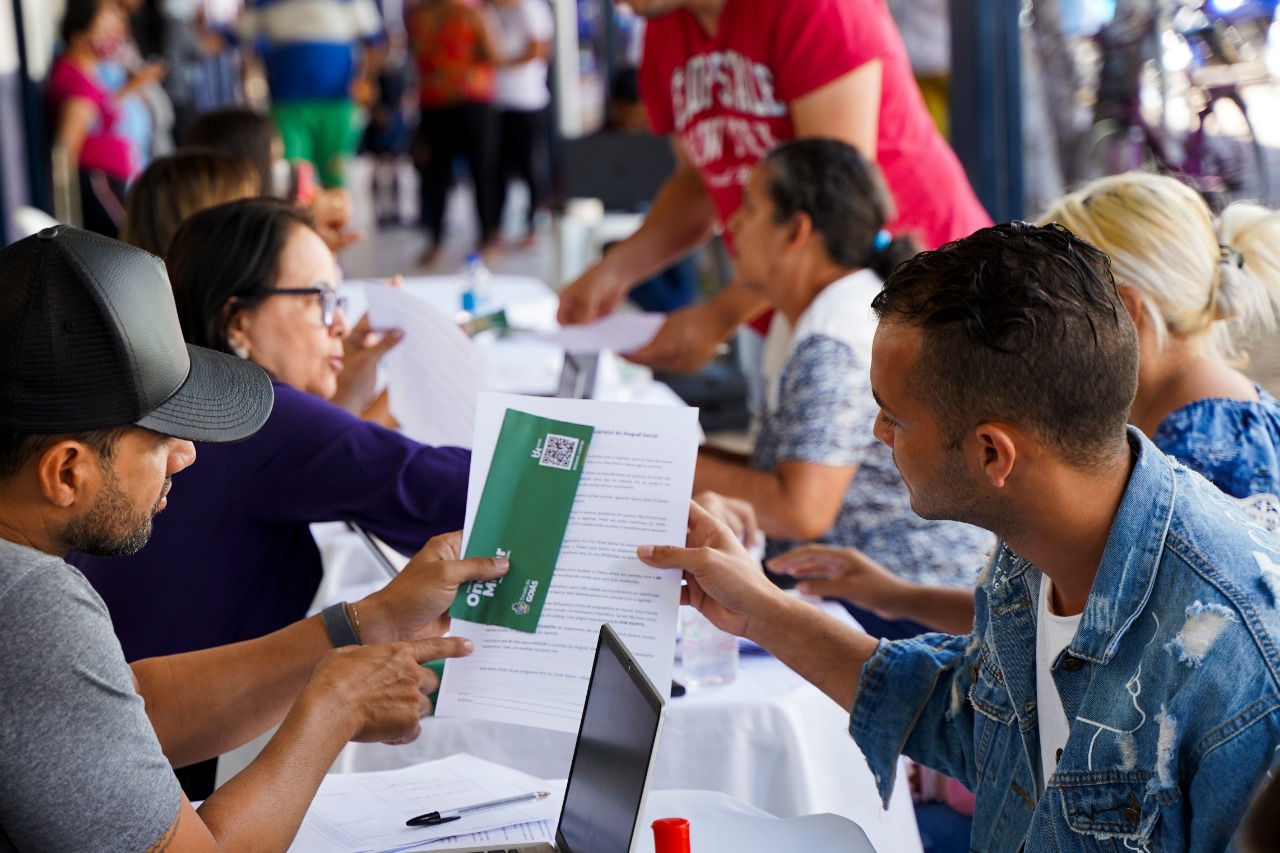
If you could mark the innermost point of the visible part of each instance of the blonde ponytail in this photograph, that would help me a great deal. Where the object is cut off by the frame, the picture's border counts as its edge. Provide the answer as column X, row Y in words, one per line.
column 1197, row 277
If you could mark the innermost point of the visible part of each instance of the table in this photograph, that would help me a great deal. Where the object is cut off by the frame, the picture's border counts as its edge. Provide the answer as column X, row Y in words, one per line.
column 523, row 364
column 770, row 739
column 527, row 300
column 720, row 824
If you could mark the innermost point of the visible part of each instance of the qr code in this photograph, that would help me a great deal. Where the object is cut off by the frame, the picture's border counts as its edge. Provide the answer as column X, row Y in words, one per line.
column 559, row 451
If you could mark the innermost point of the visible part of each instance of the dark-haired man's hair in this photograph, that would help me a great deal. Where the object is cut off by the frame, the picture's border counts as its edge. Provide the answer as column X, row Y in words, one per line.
column 844, row 196
column 238, row 130
column 77, row 17
column 1021, row 324
column 227, row 252
column 19, row 448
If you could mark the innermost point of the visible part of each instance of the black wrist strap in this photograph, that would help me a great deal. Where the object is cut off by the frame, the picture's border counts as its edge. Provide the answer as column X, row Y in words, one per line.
column 337, row 624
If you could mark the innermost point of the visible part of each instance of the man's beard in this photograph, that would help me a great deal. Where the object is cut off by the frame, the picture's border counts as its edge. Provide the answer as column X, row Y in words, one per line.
column 112, row 527
column 952, row 496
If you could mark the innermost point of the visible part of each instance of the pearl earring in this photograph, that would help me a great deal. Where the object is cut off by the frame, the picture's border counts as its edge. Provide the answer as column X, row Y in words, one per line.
column 240, row 350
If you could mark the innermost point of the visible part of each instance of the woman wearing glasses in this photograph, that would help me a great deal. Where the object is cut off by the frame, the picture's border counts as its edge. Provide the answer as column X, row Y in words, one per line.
column 232, row 557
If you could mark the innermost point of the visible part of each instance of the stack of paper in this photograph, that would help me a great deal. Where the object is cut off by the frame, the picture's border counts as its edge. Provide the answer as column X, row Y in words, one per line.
column 366, row 812
column 434, row 374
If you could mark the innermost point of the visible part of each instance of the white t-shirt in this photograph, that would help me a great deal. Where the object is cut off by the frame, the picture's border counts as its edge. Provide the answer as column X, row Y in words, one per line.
column 524, row 86
column 842, row 310
column 1053, row 634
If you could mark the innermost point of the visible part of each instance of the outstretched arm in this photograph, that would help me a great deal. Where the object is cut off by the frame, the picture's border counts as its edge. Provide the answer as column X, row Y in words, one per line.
column 847, row 108
column 204, row 703
column 849, row 574
column 798, row 501
column 370, row 693
column 724, row 583
column 681, row 219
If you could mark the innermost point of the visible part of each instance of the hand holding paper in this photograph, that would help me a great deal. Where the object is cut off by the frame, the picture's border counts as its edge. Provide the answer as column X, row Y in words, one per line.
column 434, row 374
column 634, row 489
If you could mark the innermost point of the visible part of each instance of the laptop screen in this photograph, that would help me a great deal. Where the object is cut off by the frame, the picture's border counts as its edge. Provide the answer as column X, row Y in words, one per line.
column 614, row 754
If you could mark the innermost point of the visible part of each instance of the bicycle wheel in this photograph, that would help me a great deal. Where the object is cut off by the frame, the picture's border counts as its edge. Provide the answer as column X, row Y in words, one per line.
column 1224, row 157
column 1110, row 147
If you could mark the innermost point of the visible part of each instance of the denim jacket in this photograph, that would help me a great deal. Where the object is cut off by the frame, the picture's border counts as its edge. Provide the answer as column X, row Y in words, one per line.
column 1171, row 684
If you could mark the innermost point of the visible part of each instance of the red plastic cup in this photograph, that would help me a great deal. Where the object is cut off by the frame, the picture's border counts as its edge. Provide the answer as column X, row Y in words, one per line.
column 671, row 835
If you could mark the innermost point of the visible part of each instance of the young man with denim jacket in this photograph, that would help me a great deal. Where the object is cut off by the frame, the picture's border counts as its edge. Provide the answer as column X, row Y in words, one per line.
column 1004, row 365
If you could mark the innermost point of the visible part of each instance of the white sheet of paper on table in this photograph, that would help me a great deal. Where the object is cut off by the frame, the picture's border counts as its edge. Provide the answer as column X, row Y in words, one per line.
column 367, row 811
column 523, row 364
column 434, row 374
column 635, row 490
column 720, row 824
column 521, row 833
column 621, row 332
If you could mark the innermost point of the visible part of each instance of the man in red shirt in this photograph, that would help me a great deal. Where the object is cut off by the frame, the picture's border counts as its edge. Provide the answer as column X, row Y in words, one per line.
column 730, row 79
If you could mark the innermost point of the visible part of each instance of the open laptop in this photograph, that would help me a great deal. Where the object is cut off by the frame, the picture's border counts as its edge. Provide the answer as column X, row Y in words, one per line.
column 612, row 760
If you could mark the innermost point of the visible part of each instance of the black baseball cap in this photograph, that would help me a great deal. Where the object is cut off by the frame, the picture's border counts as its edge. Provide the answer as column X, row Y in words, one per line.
column 90, row 339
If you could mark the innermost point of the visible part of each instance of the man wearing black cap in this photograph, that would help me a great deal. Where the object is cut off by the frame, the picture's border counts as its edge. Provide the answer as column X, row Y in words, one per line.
column 100, row 401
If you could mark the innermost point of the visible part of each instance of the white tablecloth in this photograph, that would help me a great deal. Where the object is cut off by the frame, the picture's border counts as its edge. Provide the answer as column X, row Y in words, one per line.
column 770, row 739
column 720, row 824
column 528, row 302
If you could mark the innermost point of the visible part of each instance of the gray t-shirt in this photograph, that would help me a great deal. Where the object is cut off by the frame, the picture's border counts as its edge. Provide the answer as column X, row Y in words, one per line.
column 80, row 766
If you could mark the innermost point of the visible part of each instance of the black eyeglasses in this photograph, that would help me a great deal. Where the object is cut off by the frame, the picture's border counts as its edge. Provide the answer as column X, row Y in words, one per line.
column 330, row 302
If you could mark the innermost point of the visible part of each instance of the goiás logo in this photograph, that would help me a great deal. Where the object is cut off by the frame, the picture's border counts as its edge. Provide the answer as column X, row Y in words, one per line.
column 525, row 602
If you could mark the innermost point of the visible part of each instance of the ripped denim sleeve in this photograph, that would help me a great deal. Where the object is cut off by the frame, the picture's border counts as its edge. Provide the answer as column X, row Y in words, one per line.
column 912, row 699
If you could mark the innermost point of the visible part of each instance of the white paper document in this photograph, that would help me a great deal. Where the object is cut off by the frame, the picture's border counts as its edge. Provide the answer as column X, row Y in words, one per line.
column 522, row 833
column 434, row 374
column 635, row 490
column 523, row 364
column 367, row 811
column 621, row 332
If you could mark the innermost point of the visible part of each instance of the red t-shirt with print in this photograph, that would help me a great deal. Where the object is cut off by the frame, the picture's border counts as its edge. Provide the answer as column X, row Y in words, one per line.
column 727, row 97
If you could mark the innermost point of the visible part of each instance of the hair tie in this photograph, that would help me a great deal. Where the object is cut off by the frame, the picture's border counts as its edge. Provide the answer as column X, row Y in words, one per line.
column 882, row 241
column 1228, row 255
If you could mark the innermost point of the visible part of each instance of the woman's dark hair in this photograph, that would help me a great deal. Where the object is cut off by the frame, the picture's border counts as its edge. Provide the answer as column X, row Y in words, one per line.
column 843, row 195
column 227, row 252
column 239, row 131
column 78, row 17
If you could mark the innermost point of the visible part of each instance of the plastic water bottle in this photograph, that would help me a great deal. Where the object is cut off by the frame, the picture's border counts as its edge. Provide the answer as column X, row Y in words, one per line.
column 709, row 655
column 475, row 286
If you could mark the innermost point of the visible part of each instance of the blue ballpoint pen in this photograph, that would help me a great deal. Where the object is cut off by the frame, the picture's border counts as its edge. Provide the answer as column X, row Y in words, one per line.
column 437, row 818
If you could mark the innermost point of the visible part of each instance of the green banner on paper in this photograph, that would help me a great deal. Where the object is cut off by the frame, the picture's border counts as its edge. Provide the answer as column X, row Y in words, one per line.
column 523, row 513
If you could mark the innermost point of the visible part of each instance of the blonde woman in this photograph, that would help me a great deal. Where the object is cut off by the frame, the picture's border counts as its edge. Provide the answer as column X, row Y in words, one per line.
column 1195, row 286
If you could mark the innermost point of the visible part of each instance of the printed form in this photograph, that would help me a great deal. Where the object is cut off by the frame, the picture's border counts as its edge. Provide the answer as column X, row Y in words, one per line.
column 635, row 490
